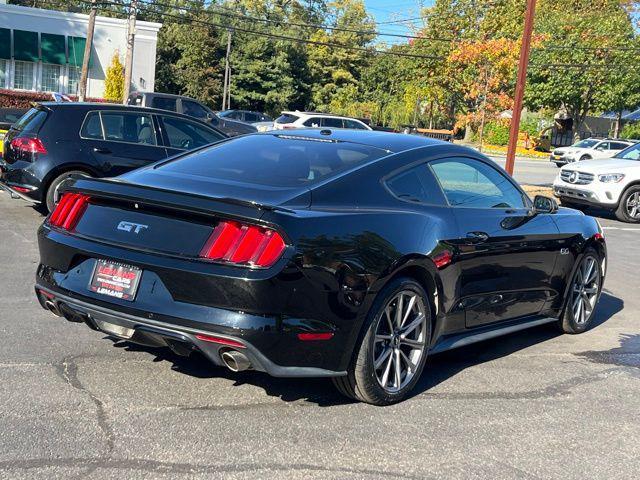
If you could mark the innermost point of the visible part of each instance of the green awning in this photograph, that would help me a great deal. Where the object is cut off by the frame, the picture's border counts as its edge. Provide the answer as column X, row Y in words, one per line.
column 76, row 51
column 25, row 46
column 52, row 47
column 5, row 43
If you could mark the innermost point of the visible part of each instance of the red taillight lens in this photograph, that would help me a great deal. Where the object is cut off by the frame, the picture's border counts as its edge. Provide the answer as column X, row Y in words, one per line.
column 69, row 210
column 237, row 243
column 28, row 145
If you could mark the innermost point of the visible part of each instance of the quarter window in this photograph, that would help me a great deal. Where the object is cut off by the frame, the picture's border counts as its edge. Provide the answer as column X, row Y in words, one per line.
column 92, row 127
column 473, row 184
column 186, row 135
column 416, row 185
column 353, row 124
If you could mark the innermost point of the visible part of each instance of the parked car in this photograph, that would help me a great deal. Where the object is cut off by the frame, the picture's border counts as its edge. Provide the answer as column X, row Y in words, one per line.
column 8, row 116
column 54, row 141
column 588, row 149
column 317, row 120
column 320, row 253
column 193, row 108
column 612, row 184
column 247, row 116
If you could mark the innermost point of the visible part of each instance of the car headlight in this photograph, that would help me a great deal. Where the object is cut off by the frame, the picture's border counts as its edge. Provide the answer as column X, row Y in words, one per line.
column 611, row 177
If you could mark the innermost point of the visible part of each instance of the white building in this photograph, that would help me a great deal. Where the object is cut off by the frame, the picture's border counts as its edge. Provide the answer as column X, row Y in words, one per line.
column 42, row 50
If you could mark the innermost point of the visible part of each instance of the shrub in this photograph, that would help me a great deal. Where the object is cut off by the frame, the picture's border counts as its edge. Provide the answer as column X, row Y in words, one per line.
column 496, row 133
column 631, row 130
column 114, row 79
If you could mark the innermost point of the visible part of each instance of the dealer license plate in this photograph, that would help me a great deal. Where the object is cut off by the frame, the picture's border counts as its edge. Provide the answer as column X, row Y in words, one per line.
column 115, row 280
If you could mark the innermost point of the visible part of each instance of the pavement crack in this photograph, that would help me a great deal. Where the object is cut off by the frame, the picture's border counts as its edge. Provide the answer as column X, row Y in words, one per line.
column 68, row 370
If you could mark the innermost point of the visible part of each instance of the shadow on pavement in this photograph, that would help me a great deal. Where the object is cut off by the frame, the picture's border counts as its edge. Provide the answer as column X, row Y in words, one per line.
column 439, row 367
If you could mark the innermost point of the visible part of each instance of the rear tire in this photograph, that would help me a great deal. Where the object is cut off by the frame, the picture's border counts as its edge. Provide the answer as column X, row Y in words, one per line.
column 387, row 363
column 629, row 207
column 51, row 195
column 584, row 294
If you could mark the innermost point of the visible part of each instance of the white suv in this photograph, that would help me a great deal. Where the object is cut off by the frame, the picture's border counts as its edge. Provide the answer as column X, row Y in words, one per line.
column 588, row 149
column 317, row 120
column 612, row 183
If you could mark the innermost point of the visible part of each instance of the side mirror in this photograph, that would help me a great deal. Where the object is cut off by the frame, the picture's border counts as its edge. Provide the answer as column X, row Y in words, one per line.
column 542, row 204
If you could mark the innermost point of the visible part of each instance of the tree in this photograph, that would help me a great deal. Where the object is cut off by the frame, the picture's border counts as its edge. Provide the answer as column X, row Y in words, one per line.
column 334, row 69
column 114, row 79
column 583, row 62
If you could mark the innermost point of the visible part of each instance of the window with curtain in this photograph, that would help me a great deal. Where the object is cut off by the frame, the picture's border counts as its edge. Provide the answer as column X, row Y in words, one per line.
column 23, row 75
column 3, row 73
column 50, row 78
column 73, row 80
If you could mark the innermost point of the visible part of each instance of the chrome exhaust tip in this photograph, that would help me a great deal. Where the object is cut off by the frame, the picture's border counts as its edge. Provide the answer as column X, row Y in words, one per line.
column 53, row 308
column 235, row 360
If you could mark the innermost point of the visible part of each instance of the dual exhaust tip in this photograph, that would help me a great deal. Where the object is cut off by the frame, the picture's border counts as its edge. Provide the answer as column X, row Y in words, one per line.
column 233, row 359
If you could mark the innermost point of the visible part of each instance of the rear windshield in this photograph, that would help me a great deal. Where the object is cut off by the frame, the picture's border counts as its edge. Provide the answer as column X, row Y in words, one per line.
column 273, row 160
column 31, row 121
column 10, row 116
column 286, row 118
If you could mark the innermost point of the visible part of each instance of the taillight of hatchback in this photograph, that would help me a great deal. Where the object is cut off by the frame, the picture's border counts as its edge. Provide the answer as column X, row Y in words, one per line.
column 242, row 244
column 27, row 147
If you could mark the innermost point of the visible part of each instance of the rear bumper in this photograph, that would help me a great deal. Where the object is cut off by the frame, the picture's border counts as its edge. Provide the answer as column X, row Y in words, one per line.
column 155, row 333
column 24, row 195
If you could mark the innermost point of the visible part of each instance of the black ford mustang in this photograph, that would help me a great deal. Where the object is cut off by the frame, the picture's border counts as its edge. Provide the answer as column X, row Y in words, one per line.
column 346, row 254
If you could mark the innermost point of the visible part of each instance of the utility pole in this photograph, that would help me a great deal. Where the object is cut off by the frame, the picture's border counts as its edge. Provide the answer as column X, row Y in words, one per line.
column 128, row 61
column 227, row 73
column 520, row 84
column 229, row 89
column 84, row 74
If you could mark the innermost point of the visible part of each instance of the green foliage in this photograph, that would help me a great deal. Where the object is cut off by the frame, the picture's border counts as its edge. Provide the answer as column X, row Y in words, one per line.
column 496, row 133
column 114, row 79
column 631, row 130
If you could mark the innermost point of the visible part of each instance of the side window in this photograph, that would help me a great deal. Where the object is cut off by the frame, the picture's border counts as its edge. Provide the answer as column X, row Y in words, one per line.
column 250, row 117
column 353, row 124
column 473, row 184
column 618, row 146
column 602, row 146
column 416, row 185
column 164, row 103
column 332, row 122
column 193, row 109
column 186, row 135
column 92, row 127
column 313, row 122
column 129, row 127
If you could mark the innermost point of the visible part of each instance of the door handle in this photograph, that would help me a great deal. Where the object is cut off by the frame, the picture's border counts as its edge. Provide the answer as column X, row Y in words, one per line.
column 476, row 237
column 101, row 150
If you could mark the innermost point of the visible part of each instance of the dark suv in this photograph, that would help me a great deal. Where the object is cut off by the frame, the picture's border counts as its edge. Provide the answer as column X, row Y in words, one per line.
column 53, row 141
column 193, row 108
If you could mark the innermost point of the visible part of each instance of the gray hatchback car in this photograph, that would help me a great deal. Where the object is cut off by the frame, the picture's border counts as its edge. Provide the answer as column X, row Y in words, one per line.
column 191, row 107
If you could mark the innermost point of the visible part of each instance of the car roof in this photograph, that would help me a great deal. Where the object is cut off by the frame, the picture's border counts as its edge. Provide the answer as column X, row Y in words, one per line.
column 392, row 142
column 317, row 114
column 88, row 106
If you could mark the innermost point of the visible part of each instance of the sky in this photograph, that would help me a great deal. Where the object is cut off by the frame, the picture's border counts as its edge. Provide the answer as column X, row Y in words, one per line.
column 390, row 10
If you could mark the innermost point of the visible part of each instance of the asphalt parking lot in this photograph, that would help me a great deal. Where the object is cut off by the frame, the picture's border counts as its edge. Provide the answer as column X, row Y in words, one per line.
column 531, row 405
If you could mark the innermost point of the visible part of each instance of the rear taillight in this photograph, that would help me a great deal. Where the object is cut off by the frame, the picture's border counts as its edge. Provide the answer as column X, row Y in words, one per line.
column 241, row 244
column 28, row 145
column 69, row 210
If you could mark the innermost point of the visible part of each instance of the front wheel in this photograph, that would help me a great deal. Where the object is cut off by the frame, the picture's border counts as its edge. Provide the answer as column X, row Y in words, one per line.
column 629, row 208
column 584, row 294
column 391, row 355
